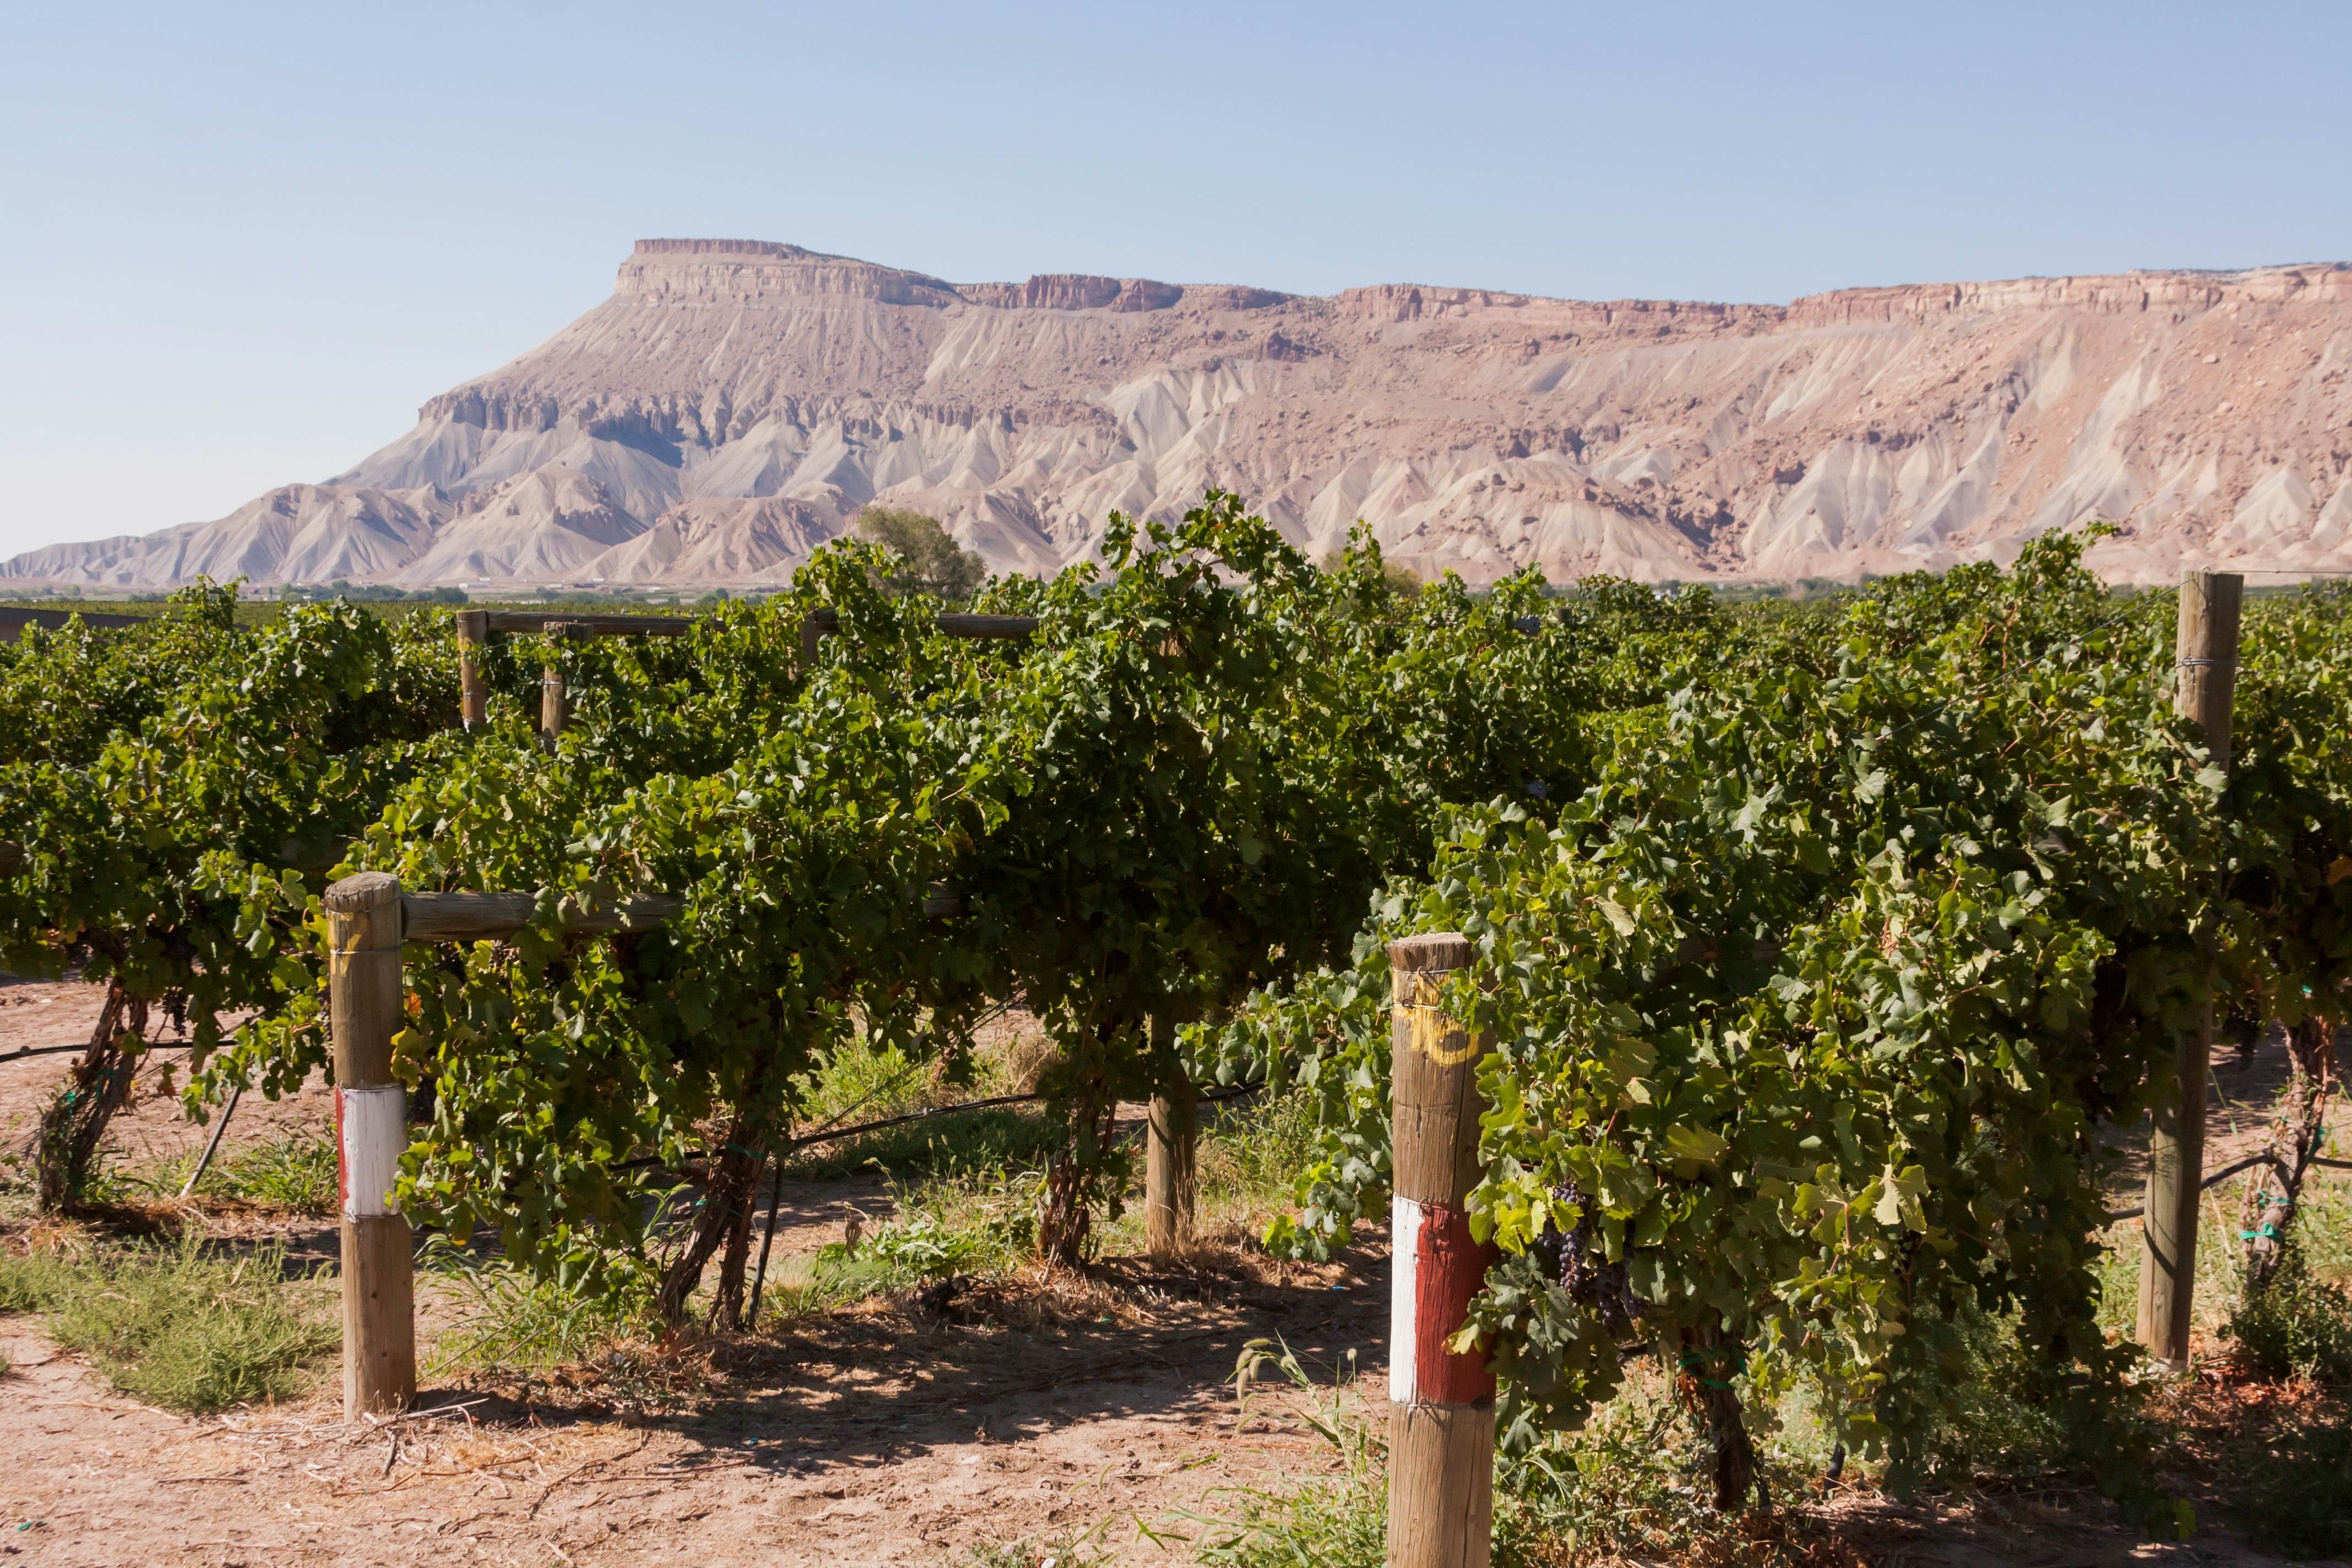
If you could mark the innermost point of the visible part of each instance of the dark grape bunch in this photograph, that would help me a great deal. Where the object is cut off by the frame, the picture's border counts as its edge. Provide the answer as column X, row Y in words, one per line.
column 1825, row 978
column 1583, row 1268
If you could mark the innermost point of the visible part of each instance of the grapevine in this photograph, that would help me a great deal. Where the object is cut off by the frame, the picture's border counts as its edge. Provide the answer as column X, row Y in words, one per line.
column 1818, row 950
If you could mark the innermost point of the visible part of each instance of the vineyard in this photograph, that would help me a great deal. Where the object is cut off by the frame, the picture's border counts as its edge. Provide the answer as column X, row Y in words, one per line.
column 1815, row 971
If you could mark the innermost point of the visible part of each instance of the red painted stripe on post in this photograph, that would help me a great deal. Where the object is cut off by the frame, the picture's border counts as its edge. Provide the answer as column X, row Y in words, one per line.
column 1449, row 1267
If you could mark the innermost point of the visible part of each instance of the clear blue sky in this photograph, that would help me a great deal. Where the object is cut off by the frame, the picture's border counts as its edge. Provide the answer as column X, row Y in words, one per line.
column 244, row 242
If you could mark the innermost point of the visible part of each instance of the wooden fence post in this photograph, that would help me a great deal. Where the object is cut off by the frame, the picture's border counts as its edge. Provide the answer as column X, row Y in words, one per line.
column 1442, row 1415
column 365, row 1006
column 2206, row 648
column 473, row 692
column 551, row 706
column 1170, row 1182
column 554, row 702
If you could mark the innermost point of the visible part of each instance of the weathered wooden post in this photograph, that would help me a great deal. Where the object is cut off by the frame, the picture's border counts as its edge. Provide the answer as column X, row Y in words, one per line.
column 554, row 702
column 365, row 1006
column 2205, row 648
column 473, row 692
column 1442, row 1416
column 1170, row 1186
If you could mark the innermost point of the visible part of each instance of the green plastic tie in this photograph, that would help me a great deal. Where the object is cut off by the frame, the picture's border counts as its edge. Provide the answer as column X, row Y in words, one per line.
column 1694, row 1361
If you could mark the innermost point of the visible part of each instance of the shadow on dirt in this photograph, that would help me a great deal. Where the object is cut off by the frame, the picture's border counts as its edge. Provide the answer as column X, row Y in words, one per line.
column 870, row 1386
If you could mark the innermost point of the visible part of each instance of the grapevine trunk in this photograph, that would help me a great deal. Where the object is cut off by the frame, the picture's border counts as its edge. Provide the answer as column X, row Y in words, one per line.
column 1710, row 1360
column 75, row 1123
column 724, row 1220
column 2302, row 1128
column 725, row 1217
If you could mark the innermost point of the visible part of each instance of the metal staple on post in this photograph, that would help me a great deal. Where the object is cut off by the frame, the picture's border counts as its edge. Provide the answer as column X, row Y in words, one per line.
column 1442, row 1416
column 2206, row 642
column 365, row 1006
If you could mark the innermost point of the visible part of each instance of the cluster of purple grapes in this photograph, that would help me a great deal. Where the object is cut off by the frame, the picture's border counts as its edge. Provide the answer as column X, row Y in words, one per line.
column 1584, row 1269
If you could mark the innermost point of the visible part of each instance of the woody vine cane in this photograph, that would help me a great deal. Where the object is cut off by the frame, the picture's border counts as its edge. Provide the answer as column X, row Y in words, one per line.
column 1441, row 1418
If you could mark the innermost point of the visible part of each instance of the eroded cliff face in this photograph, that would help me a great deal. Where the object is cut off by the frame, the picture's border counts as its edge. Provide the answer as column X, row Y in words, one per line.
column 735, row 404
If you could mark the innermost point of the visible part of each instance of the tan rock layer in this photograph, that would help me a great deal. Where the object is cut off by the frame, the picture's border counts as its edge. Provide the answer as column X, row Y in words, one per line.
column 734, row 404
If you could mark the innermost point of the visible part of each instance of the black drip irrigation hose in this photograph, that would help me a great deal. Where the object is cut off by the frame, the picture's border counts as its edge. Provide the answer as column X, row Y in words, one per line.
column 776, row 1182
column 760, row 1280
column 776, row 1191
column 58, row 1050
column 2224, row 1173
column 1211, row 1097
column 212, row 1147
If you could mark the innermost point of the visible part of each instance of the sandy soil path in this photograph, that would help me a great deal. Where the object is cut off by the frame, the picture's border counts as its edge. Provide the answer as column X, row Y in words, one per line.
column 881, row 1436
column 877, row 1438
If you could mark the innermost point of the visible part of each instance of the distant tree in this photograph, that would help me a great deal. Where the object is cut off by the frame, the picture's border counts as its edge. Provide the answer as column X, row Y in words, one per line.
column 1400, row 579
column 934, row 562
column 447, row 595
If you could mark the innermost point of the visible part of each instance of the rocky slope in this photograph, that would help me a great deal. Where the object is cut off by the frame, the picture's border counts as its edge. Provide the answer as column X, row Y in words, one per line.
column 735, row 403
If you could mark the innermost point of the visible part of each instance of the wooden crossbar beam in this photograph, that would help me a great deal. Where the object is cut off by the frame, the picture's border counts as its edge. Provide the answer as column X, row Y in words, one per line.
column 473, row 917
column 826, row 622
column 479, row 917
column 584, row 624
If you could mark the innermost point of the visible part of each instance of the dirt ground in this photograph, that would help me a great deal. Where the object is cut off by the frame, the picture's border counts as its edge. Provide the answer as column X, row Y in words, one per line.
column 877, row 1440
column 34, row 1013
column 879, row 1437
column 886, row 1435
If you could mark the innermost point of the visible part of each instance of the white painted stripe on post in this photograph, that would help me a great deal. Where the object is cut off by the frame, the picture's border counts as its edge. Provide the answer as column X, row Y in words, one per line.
column 374, row 1128
column 1404, row 1247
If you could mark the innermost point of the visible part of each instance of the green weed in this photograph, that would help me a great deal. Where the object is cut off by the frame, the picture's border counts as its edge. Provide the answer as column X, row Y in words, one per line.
column 1340, row 1522
column 974, row 1141
column 515, row 1323
column 943, row 1228
column 1998, row 1424
column 1059, row 1552
column 2297, row 1326
column 29, row 1282
column 1249, row 1155
column 859, row 1081
column 2322, row 1226
column 1634, row 1484
column 178, row 1324
column 1252, row 1150
column 296, row 1173
column 292, row 1174
column 2221, row 1265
